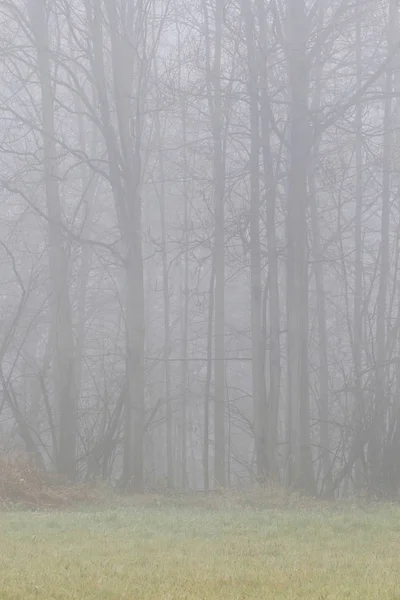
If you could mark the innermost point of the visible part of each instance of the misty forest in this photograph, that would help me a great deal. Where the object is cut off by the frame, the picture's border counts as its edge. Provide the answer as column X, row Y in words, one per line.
column 200, row 243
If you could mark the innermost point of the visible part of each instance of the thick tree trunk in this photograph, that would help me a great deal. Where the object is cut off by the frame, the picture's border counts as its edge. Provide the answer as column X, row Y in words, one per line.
column 320, row 290
column 123, row 143
column 89, row 188
column 375, row 447
column 215, row 107
column 64, row 365
column 300, row 465
column 258, row 367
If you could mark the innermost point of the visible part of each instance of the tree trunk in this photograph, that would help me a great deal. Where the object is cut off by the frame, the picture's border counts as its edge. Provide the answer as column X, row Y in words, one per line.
column 63, row 366
column 215, row 107
column 166, row 292
column 219, row 256
column 301, row 473
column 206, row 431
column 375, row 446
column 123, row 143
column 273, row 274
column 184, row 350
column 258, row 372
column 320, row 290
column 358, row 287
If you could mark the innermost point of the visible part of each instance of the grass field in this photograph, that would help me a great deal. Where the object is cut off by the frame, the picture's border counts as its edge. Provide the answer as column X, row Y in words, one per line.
column 161, row 554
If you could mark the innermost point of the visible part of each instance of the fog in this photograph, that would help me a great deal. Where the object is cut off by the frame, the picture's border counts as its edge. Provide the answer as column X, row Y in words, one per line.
column 199, row 242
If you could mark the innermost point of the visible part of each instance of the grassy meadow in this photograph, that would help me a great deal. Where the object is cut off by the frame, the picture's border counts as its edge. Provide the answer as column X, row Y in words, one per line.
column 170, row 553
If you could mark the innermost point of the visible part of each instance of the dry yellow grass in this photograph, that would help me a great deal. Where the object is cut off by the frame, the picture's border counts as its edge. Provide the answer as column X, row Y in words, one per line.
column 171, row 553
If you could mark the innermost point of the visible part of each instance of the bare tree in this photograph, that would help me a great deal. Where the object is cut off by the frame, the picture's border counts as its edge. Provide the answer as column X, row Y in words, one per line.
column 199, row 212
column 300, row 466
column 64, row 364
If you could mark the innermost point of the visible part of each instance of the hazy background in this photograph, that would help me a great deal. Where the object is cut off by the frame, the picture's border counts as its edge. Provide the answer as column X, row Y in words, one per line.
column 199, row 241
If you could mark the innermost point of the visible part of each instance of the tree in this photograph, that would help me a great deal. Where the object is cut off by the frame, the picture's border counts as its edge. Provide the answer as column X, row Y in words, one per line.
column 64, row 364
column 258, row 374
column 300, row 465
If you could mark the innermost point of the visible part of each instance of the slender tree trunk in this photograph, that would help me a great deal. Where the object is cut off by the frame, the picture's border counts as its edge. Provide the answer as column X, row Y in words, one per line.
column 133, row 450
column 184, row 349
column 358, row 287
column 219, row 256
column 206, row 430
column 215, row 107
column 273, row 273
column 167, row 341
column 396, row 142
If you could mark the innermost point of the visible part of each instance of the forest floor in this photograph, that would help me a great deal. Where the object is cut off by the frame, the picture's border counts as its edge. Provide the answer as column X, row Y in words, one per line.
column 150, row 553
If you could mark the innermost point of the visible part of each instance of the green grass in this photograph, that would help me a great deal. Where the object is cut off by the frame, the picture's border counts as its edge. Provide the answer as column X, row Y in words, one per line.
column 161, row 554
